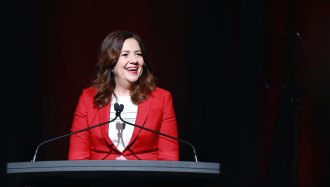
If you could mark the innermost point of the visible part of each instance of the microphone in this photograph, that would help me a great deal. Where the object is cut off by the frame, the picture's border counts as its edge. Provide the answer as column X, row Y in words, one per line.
column 119, row 108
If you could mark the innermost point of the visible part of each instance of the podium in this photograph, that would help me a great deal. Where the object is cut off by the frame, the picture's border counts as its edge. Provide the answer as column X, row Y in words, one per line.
column 112, row 172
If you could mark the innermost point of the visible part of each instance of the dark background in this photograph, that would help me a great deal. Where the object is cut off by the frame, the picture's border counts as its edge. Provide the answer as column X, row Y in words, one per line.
column 233, row 108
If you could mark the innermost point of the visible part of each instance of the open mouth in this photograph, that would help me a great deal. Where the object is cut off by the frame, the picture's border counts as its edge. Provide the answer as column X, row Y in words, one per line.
column 132, row 69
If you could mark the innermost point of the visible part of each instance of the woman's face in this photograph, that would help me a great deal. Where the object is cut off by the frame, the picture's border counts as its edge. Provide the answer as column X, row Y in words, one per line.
column 130, row 63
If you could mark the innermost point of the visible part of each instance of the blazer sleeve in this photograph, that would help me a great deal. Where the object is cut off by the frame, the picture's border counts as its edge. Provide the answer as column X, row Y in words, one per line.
column 168, row 149
column 79, row 147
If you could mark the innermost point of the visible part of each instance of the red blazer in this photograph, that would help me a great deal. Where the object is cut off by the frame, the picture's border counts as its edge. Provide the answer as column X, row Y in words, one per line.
column 156, row 113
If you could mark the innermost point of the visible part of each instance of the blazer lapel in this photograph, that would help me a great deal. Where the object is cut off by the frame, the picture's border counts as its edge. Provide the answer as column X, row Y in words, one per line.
column 104, row 115
column 142, row 113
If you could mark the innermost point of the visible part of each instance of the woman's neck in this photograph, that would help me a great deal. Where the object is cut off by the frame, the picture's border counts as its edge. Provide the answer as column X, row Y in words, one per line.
column 121, row 91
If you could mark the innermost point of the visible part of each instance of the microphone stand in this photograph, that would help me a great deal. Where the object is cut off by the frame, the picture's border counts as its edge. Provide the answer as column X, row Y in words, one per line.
column 120, row 108
column 69, row 134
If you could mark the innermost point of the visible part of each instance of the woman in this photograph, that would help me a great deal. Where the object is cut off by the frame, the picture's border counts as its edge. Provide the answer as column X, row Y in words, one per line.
column 124, row 76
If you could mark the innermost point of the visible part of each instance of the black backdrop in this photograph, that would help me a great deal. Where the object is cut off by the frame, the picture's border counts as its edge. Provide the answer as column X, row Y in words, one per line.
column 200, row 53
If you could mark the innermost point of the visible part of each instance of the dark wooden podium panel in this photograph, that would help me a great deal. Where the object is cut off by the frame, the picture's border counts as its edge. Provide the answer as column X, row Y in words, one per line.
column 111, row 172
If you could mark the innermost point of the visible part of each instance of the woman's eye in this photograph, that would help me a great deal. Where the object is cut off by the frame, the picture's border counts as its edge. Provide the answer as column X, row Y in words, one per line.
column 124, row 54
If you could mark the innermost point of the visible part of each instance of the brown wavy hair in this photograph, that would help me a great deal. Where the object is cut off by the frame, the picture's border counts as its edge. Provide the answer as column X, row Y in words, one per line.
column 108, row 56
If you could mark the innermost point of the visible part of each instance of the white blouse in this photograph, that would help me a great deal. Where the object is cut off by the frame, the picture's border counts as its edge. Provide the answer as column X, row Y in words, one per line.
column 120, row 133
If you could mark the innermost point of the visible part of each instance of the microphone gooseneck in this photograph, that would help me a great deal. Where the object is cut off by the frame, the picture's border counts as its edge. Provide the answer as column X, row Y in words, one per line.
column 75, row 132
column 119, row 108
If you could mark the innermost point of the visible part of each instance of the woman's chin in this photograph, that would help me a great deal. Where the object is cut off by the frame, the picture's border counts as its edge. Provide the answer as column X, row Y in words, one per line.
column 132, row 79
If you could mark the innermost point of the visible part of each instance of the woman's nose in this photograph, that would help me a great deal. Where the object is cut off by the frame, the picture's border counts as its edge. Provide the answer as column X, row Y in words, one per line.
column 133, row 59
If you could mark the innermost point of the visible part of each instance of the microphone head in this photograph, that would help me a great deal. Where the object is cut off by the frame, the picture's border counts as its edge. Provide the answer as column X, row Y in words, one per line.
column 116, row 107
column 121, row 107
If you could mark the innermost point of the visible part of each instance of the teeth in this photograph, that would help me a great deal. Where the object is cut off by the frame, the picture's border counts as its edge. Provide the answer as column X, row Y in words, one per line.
column 131, row 69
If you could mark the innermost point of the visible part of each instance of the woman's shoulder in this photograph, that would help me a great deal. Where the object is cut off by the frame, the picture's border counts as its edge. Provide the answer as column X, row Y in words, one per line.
column 89, row 91
column 161, row 91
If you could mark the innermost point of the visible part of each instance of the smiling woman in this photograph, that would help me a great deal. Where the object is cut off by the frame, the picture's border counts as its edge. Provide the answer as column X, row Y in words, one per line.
column 124, row 76
column 129, row 66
